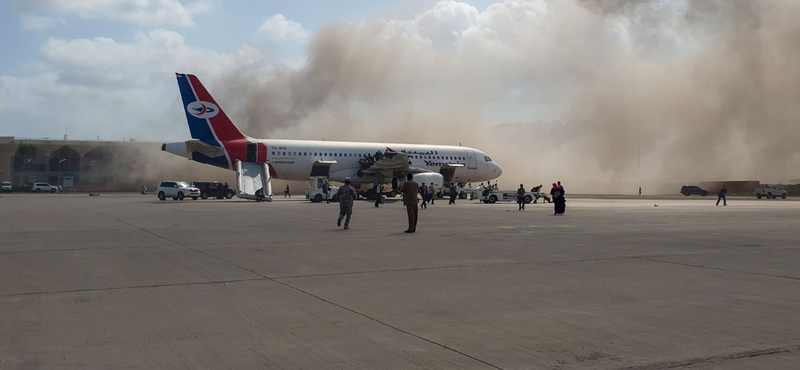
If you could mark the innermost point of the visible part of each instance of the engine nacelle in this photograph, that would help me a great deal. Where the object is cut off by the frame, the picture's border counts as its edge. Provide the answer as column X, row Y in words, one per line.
column 428, row 178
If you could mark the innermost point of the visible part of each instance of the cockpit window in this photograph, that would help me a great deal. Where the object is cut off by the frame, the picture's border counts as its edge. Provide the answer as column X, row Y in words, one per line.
column 486, row 158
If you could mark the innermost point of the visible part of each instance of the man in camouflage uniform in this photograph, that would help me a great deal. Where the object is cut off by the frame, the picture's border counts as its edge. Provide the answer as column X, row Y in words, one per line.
column 346, row 196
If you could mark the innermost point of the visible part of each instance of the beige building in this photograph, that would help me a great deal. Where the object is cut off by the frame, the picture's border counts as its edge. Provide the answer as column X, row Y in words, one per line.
column 96, row 164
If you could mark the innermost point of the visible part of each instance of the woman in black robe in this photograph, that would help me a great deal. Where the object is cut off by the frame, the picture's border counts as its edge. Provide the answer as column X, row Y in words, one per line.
column 557, row 194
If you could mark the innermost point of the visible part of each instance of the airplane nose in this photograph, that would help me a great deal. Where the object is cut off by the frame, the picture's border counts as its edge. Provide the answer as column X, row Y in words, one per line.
column 498, row 169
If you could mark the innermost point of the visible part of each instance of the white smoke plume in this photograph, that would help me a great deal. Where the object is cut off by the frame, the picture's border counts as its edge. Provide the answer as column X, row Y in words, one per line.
column 636, row 92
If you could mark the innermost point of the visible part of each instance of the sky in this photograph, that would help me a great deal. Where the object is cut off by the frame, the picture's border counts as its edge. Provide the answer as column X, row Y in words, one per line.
column 54, row 51
column 597, row 93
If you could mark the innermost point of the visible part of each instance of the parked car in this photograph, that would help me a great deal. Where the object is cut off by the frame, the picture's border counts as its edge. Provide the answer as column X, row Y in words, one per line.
column 771, row 192
column 210, row 189
column 6, row 187
column 39, row 187
column 177, row 190
column 688, row 190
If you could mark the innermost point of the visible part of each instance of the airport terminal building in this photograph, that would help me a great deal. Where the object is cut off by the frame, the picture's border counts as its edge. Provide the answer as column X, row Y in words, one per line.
column 73, row 163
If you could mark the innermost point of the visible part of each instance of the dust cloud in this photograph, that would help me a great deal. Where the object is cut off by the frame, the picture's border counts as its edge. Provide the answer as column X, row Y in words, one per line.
column 604, row 95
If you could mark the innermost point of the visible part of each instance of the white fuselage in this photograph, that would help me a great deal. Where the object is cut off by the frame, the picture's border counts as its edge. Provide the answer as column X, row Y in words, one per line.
column 293, row 159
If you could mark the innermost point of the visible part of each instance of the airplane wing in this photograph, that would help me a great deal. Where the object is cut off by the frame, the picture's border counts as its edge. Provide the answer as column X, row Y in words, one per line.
column 391, row 165
column 397, row 164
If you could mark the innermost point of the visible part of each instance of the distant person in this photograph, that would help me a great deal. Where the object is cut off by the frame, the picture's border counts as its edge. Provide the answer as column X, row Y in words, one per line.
column 423, row 192
column 346, row 195
column 378, row 193
column 721, row 196
column 640, row 191
column 563, row 197
column 558, row 199
column 144, row 190
column 521, row 197
column 453, row 194
column 410, row 189
column 431, row 193
column 286, row 192
column 326, row 189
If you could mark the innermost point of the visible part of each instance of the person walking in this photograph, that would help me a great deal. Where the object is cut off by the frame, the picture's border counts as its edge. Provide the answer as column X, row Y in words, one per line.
column 423, row 191
column 721, row 196
column 286, row 192
column 521, row 197
column 431, row 193
column 558, row 199
column 346, row 195
column 378, row 194
column 563, row 198
column 326, row 188
column 640, row 191
column 410, row 189
column 453, row 194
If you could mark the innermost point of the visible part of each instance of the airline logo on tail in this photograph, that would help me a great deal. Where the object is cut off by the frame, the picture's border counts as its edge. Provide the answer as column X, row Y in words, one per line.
column 202, row 109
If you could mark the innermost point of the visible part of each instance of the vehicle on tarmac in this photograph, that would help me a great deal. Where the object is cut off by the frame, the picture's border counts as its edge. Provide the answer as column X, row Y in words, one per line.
column 213, row 189
column 688, row 190
column 314, row 192
column 39, row 187
column 494, row 196
column 771, row 192
column 177, row 190
column 6, row 187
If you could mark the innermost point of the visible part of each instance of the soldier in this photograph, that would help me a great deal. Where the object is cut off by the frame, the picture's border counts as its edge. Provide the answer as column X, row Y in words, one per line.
column 346, row 196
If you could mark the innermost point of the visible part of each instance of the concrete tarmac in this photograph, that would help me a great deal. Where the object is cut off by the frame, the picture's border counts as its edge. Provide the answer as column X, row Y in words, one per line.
column 127, row 281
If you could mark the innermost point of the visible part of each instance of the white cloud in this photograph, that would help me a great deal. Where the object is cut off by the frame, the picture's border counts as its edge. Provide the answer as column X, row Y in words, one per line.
column 104, row 87
column 35, row 22
column 143, row 12
column 280, row 28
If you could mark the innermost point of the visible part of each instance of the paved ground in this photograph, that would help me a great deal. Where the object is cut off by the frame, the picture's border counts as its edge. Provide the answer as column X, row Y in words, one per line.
column 124, row 281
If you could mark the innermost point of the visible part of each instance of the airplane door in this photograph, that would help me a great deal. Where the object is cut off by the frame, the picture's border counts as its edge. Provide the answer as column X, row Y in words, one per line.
column 472, row 162
column 321, row 168
column 252, row 152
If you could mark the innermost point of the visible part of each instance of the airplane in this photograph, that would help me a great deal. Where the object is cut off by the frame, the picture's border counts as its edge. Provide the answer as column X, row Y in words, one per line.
column 218, row 142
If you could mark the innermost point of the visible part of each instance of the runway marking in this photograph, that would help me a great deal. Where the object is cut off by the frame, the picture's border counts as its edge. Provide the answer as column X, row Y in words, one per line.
column 129, row 287
column 716, row 268
column 712, row 359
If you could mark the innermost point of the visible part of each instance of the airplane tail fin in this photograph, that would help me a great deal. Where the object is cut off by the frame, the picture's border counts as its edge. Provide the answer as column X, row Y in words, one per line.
column 207, row 121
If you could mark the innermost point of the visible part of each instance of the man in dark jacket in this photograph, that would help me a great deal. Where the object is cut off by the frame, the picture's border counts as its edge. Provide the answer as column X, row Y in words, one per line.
column 410, row 189
column 721, row 196
column 453, row 194
column 521, row 197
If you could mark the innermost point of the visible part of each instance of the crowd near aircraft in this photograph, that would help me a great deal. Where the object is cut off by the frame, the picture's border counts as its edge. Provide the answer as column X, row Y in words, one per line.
column 218, row 142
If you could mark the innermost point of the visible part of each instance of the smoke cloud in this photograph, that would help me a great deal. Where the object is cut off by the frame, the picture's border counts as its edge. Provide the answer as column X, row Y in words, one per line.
column 607, row 95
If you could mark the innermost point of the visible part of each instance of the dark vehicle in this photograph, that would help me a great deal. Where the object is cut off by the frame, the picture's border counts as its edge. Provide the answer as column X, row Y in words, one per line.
column 213, row 189
column 688, row 190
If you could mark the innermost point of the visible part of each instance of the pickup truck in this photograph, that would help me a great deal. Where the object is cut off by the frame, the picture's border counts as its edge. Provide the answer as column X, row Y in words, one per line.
column 770, row 191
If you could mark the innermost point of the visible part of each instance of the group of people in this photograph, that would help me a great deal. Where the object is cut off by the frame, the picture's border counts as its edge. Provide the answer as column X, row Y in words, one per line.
column 410, row 189
column 557, row 194
column 368, row 160
column 427, row 193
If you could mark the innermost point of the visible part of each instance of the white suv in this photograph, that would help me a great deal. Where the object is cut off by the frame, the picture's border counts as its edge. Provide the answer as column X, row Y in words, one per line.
column 177, row 190
column 6, row 187
column 39, row 187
